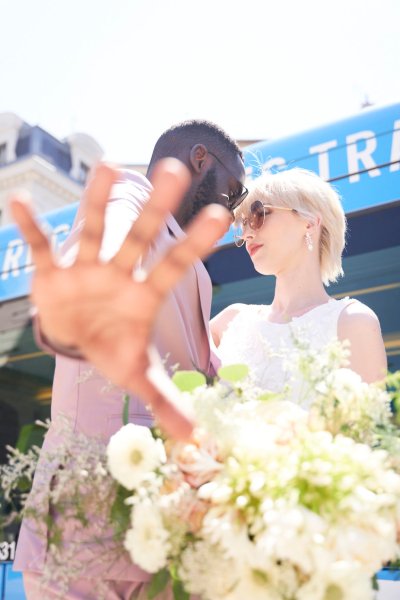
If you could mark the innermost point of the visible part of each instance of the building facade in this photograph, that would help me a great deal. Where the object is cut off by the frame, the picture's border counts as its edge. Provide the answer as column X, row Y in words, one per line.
column 52, row 171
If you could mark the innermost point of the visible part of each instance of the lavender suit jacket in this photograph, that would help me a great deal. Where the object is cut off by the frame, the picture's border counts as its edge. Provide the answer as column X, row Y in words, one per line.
column 80, row 392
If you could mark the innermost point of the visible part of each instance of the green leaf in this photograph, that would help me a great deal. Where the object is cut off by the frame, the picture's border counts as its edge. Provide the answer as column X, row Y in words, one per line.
column 55, row 535
column 24, row 484
column 233, row 373
column 30, row 435
column 120, row 512
column 375, row 584
column 179, row 591
column 266, row 396
column 158, row 583
column 125, row 412
column 187, row 381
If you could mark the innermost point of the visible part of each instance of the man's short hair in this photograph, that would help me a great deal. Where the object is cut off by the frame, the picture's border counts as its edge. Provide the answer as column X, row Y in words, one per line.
column 189, row 133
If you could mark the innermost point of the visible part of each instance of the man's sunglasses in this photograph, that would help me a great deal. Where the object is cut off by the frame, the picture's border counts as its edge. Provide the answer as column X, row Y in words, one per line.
column 234, row 199
column 255, row 219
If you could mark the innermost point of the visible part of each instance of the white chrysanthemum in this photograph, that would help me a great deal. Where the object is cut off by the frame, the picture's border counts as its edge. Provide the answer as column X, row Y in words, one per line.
column 132, row 454
column 148, row 540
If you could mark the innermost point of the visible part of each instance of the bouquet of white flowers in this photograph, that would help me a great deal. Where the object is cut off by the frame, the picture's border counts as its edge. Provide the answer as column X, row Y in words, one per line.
column 268, row 500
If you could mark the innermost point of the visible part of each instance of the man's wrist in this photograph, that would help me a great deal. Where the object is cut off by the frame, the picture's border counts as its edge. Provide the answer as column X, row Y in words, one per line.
column 52, row 346
column 67, row 351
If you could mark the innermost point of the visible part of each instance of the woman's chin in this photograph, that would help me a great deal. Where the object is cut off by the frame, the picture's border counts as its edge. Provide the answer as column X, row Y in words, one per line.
column 263, row 269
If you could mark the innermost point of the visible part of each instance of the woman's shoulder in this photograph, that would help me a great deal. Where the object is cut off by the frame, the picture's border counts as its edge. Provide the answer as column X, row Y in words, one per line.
column 355, row 314
column 360, row 326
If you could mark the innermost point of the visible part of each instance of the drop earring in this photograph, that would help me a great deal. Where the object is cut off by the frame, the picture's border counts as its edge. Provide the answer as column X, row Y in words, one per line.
column 309, row 241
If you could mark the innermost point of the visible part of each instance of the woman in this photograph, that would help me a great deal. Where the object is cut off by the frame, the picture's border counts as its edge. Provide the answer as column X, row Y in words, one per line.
column 294, row 227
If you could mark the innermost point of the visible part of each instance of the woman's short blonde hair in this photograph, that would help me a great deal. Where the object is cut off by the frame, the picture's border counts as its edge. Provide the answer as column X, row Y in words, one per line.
column 311, row 197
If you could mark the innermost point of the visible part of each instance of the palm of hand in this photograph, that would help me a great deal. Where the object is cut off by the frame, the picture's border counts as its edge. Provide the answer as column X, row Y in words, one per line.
column 105, row 311
column 99, row 308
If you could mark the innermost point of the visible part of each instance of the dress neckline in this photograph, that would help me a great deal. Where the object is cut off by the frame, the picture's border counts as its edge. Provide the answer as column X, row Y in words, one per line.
column 308, row 312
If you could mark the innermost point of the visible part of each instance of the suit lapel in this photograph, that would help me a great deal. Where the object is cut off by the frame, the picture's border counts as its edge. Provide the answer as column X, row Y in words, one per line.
column 203, row 279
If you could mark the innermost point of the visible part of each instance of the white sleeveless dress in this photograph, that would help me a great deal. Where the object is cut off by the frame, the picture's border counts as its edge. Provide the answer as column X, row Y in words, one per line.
column 266, row 347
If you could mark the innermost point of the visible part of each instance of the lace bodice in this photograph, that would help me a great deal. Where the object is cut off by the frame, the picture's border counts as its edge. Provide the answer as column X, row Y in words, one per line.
column 265, row 347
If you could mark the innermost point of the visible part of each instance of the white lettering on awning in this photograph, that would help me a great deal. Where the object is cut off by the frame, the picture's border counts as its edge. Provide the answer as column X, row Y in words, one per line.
column 323, row 157
column 14, row 252
column 364, row 156
column 395, row 151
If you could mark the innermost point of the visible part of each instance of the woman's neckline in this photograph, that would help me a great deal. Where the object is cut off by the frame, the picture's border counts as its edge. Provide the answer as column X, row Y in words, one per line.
column 305, row 314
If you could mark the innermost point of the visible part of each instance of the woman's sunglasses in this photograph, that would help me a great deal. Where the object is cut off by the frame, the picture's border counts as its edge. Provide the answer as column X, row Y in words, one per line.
column 255, row 219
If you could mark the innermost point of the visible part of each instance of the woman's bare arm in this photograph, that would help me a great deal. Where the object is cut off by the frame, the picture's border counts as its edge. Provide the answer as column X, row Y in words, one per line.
column 360, row 325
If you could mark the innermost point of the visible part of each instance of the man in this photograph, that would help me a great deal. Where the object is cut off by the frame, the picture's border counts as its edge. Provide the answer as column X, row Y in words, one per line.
column 96, row 311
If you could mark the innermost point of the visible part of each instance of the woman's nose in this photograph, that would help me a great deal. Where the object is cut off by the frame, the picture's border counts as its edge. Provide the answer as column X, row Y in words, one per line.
column 248, row 233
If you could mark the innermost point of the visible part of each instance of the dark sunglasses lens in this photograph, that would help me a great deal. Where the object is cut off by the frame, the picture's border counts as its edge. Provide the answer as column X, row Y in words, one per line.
column 238, row 198
column 256, row 217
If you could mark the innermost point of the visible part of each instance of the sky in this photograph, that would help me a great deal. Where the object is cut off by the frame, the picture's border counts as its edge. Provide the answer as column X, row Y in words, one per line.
column 123, row 71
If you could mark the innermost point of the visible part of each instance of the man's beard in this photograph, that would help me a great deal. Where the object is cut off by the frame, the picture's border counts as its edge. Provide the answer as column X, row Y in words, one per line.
column 206, row 192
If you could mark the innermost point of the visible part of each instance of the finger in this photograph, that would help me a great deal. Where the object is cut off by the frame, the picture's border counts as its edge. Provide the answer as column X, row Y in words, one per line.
column 211, row 223
column 23, row 215
column 165, row 401
column 171, row 180
column 95, row 202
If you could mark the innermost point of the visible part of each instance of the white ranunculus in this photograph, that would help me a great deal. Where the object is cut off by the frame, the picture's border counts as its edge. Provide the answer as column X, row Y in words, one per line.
column 148, row 540
column 132, row 454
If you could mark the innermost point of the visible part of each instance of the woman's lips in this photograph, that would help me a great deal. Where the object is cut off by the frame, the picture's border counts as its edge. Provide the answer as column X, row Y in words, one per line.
column 252, row 248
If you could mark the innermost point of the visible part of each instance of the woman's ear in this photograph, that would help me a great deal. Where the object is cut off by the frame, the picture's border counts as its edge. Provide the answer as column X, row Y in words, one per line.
column 314, row 224
column 198, row 154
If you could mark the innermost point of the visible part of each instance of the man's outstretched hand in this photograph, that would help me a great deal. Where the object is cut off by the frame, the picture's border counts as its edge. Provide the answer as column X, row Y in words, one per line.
column 99, row 308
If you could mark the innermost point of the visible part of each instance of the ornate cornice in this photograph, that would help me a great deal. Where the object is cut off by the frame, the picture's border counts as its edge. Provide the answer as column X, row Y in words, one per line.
column 36, row 170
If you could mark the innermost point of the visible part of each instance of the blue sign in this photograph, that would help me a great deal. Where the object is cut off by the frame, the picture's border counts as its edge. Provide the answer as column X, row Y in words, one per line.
column 15, row 255
column 359, row 155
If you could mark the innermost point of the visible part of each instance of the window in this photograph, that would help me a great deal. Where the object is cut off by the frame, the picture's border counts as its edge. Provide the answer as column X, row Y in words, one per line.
column 83, row 171
column 3, row 154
